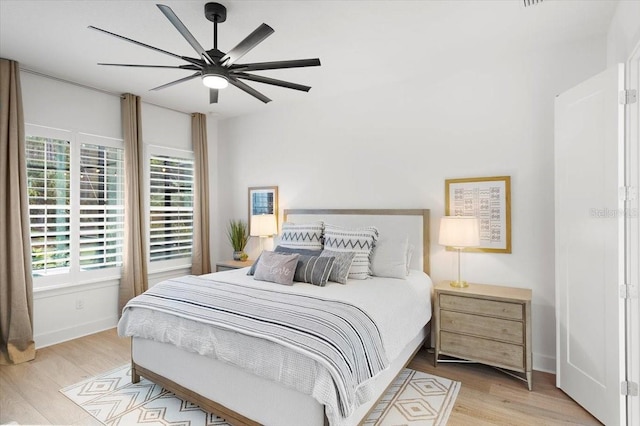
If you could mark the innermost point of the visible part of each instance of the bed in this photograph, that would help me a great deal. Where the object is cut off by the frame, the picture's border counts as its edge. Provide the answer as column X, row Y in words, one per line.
column 234, row 378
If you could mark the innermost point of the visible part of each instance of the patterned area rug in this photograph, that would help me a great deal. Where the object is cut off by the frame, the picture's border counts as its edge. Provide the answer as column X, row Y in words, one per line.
column 414, row 398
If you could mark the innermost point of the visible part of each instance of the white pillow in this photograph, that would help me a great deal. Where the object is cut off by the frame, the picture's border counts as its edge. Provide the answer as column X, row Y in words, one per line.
column 306, row 236
column 410, row 248
column 390, row 257
column 358, row 240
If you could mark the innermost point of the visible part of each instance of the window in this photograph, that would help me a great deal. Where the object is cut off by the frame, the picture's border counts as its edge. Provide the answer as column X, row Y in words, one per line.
column 101, row 206
column 170, row 209
column 76, row 197
column 48, row 163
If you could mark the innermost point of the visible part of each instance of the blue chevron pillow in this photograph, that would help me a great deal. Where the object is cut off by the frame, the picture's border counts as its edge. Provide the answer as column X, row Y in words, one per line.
column 358, row 240
column 306, row 236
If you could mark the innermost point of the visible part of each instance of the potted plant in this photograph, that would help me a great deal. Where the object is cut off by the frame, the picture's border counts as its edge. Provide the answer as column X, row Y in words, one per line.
column 238, row 237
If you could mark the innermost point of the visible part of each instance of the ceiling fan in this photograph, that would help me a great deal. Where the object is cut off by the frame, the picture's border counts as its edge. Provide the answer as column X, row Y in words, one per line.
column 216, row 68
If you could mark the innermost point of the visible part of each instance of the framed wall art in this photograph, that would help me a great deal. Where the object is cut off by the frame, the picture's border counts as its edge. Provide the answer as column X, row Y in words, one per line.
column 262, row 200
column 488, row 199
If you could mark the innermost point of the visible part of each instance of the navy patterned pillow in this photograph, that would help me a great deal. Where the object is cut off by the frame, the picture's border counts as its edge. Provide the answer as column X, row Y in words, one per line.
column 306, row 252
column 252, row 270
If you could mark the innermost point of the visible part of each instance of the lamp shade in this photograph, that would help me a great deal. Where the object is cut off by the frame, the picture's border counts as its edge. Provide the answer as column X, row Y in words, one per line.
column 263, row 225
column 459, row 231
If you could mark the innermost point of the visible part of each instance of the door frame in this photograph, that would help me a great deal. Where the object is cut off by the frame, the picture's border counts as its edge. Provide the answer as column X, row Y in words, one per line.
column 632, row 233
column 599, row 391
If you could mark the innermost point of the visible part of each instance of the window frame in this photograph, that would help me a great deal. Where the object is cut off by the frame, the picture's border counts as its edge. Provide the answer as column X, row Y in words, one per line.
column 75, row 276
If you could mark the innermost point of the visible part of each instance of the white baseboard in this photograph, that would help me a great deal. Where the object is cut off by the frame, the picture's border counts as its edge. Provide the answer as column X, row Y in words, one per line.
column 70, row 333
column 544, row 363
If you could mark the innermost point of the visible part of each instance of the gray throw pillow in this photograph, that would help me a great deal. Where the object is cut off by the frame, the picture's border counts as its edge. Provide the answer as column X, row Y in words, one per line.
column 281, row 249
column 276, row 268
column 341, row 265
column 313, row 269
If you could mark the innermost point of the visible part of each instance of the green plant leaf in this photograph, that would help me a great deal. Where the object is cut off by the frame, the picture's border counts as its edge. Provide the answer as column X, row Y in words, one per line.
column 238, row 234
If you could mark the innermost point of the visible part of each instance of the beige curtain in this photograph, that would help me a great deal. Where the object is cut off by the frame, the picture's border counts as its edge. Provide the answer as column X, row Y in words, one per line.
column 134, row 263
column 201, row 256
column 16, row 284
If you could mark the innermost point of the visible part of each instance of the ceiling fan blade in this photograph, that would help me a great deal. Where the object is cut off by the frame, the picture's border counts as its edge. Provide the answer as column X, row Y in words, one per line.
column 183, row 67
column 182, row 80
column 136, row 42
column 251, row 41
column 273, row 81
column 258, row 66
column 250, row 90
column 213, row 96
column 182, row 29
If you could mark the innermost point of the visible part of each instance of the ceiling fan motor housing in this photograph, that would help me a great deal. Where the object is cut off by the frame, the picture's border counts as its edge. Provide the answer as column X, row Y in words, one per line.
column 215, row 12
column 218, row 69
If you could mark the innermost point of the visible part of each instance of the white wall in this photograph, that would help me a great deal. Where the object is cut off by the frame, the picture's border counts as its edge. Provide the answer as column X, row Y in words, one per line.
column 393, row 147
column 624, row 31
column 53, row 103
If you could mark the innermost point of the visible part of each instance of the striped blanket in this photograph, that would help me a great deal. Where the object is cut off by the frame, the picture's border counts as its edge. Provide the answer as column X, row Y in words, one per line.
column 339, row 335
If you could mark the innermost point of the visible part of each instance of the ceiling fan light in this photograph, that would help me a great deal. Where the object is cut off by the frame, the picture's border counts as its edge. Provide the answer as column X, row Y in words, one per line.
column 215, row 81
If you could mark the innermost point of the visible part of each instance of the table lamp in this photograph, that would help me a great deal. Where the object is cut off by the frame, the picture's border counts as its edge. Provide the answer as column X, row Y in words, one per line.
column 459, row 232
column 263, row 226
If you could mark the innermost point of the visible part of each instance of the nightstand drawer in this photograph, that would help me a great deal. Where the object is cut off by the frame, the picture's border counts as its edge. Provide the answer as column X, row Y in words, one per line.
column 492, row 328
column 488, row 351
column 482, row 307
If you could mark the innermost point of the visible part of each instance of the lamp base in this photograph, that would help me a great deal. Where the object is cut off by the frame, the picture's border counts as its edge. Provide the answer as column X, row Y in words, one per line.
column 459, row 284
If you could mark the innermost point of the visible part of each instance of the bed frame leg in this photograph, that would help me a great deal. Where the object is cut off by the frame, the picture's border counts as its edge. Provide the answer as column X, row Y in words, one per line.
column 135, row 377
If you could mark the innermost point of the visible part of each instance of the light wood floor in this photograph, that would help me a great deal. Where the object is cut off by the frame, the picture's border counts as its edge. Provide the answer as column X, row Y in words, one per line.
column 29, row 393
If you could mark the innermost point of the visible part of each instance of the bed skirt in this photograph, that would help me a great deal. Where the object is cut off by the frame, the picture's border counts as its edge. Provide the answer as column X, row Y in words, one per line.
column 240, row 397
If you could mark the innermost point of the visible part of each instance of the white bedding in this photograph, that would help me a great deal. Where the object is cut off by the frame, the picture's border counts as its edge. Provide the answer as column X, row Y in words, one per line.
column 400, row 308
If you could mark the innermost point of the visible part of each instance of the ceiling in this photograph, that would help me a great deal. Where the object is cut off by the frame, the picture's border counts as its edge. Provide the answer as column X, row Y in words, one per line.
column 363, row 45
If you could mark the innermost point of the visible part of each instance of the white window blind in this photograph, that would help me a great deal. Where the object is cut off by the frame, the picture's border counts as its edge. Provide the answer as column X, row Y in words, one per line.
column 76, row 212
column 48, row 165
column 171, row 207
column 101, row 206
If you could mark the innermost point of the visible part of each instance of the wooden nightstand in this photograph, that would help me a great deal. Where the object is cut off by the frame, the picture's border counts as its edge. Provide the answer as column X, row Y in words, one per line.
column 486, row 324
column 227, row 265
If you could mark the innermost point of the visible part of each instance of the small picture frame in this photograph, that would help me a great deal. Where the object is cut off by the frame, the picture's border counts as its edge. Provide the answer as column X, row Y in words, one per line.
column 262, row 200
column 488, row 199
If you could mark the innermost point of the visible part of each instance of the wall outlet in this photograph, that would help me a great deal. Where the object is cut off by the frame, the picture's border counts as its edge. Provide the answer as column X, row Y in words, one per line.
column 79, row 304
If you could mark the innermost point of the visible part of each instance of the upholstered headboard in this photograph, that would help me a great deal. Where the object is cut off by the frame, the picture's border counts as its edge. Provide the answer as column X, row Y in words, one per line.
column 413, row 223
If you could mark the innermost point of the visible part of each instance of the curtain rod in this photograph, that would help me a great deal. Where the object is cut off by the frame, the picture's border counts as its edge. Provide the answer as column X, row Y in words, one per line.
column 96, row 89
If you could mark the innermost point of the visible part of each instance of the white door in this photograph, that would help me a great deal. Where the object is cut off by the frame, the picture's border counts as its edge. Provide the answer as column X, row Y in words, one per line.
column 589, row 229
